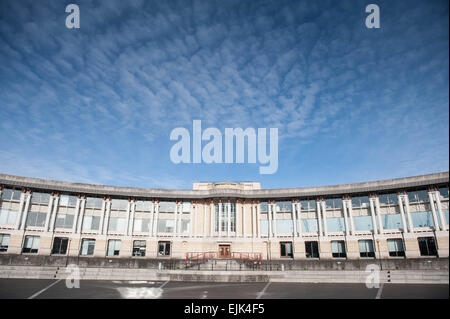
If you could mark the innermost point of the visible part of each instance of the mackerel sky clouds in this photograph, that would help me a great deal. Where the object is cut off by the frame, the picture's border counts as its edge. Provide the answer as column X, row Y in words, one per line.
column 97, row 104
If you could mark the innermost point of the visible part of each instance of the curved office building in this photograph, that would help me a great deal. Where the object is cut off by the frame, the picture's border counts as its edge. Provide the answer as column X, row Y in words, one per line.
column 397, row 218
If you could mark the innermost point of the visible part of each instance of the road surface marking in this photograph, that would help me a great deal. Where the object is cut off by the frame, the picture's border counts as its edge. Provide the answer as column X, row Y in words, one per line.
column 379, row 291
column 262, row 291
column 164, row 284
column 41, row 291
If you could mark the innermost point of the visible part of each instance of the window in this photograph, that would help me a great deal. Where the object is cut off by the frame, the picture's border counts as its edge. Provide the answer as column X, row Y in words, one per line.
column 87, row 247
column 185, row 226
column 119, row 204
column 224, row 216
column 11, row 194
column 139, row 247
column 332, row 203
column 395, row 247
column 186, row 207
column 142, row 225
column 67, row 200
column 422, row 219
column 36, row 219
column 285, row 206
column 418, row 196
column 91, row 222
column 4, row 242
column 366, row 248
column 117, row 224
column 40, row 198
column 336, row 224
column 7, row 217
column 286, row 249
column 308, row 204
column 113, row 247
column 361, row 201
column 143, row 205
column 312, row 249
column 165, row 225
column 31, row 244
column 264, row 207
column 443, row 191
column 166, row 207
column 427, row 246
column 388, row 199
column 362, row 223
column 285, row 226
column 94, row 202
column 310, row 225
column 64, row 221
column 60, row 245
column 164, row 248
column 338, row 249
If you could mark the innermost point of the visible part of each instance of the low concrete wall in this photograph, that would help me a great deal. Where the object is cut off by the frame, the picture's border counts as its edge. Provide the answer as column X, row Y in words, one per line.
column 161, row 263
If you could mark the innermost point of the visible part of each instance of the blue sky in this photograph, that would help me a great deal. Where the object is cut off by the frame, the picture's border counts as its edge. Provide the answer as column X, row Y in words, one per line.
column 97, row 104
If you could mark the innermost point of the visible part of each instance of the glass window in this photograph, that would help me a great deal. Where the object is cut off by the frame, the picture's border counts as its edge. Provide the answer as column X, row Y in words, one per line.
column 392, row 221
column 87, row 247
column 333, row 203
column 427, row 246
column 142, row 225
column 362, row 223
column 312, row 249
column 395, row 247
column 309, row 204
column 167, row 206
column 113, row 247
column 40, row 198
column 336, row 224
column 165, row 225
column 164, row 248
column 388, row 199
column 11, row 194
column 310, row 225
column 418, row 196
column 263, row 207
column 186, row 206
column 360, row 201
column 285, row 226
column 139, row 247
column 64, row 221
column 142, row 205
column 422, row 219
column 68, row 200
column 185, row 226
column 94, row 202
column 284, row 206
column 60, row 245
column 338, row 249
column 117, row 224
column 443, row 191
column 4, row 242
column 7, row 217
column 286, row 249
column 366, row 248
column 36, row 219
column 91, row 222
column 119, row 204
column 31, row 244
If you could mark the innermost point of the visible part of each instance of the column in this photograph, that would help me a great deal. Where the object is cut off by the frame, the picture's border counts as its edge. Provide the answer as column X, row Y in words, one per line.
column 441, row 213
column 55, row 211
column 253, row 211
column 344, row 212
column 25, row 212
column 21, row 207
column 294, row 220
column 228, row 218
column 108, row 214
column 77, row 212
column 324, row 216
column 237, row 227
column 211, row 221
column 257, row 224
column 408, row 213
column 220, row 218
column 102, row 217
column 378, row 213
column 269, row 218
column 49, row 212
column 127, row 222
column 175, row 220
column 191, row 219
column 372, row 214
column 319, row 219
column 299, row 218
column 350, row 215
column 244, row 232
column 80, row 220
column 402, row 214
column 155, row 220
column 433, row 210
column 204, row 219
column 152, row 216
column 132, row 213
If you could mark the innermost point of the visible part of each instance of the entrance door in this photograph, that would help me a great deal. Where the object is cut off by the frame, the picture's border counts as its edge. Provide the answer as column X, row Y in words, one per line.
column 224, row 251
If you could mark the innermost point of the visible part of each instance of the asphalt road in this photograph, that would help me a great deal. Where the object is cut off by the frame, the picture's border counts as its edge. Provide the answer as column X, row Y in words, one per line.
column 92, row 289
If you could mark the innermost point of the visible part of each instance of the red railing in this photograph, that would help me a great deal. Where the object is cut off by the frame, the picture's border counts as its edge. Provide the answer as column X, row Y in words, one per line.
column 248, row 258
column 197, row 258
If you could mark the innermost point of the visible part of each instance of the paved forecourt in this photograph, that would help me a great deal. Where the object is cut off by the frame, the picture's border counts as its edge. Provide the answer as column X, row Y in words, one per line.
column 43, row 288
